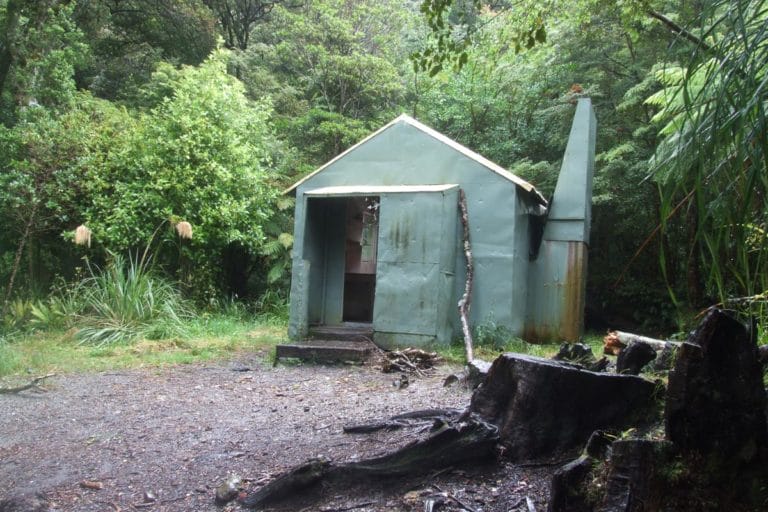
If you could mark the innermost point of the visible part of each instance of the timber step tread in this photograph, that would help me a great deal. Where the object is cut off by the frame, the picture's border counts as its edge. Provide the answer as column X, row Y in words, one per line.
column 326, row 350
column 349, row 332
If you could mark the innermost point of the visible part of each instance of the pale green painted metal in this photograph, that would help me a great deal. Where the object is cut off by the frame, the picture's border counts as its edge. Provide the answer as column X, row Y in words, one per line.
column 570, row 212
column 414, row 278
column 420, row 282
column 557, row 281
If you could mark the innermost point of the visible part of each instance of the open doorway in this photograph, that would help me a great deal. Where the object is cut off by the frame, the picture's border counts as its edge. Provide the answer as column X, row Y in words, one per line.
column 362, row 234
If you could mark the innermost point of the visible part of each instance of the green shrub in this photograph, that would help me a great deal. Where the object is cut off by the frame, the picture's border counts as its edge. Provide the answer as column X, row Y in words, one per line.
column 491, row 335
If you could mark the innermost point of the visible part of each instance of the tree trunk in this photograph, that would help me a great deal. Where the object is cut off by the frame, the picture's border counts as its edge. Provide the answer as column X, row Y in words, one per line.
column 12, row 12
column 17, row 259
column 625, row 338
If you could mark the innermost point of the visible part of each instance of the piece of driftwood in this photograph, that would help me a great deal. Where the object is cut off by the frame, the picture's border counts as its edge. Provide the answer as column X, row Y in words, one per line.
column 465, row 302
column 615, row 341
column 33, row 384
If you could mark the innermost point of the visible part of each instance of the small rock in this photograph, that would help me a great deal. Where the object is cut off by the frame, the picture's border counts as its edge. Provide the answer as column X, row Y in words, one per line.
column 451, row 380
column 402, row 382
column 228, row 490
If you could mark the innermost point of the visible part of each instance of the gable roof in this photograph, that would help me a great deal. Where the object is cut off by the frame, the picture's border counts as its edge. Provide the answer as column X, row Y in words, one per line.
column 403, row 118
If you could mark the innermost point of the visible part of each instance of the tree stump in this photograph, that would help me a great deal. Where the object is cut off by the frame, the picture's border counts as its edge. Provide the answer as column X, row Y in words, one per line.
column 635, row 482
column 544, row 407
column 715, row 399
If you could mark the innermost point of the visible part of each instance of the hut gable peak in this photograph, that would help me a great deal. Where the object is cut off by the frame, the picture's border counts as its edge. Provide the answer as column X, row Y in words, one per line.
column 468, row 153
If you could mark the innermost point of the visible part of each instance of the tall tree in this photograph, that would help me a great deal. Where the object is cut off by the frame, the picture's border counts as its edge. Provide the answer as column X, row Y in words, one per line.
column 45, row 160
column 237, row 18
column 40, row 46
column 129, row 37
column 202, row 156
column 330, row 68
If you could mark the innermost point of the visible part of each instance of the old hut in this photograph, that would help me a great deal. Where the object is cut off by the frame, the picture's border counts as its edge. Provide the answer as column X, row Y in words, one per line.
column 378, row 240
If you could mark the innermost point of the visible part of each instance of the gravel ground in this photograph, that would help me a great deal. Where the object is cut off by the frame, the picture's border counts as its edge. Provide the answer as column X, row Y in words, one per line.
column 164, row 439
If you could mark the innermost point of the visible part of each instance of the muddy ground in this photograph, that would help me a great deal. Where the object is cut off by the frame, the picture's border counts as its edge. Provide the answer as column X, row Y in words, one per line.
column 164, row 439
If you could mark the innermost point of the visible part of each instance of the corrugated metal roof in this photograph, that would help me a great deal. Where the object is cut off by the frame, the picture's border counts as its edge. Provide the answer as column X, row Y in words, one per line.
column 372, row 190
column 403, row 118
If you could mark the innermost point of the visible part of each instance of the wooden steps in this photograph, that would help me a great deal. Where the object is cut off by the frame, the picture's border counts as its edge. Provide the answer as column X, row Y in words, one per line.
column 331, row 344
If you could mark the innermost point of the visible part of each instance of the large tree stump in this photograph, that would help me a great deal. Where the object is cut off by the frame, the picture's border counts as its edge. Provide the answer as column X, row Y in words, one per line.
column 568, row 487
column 544, row 407
column 530, row 406
column 715, row 398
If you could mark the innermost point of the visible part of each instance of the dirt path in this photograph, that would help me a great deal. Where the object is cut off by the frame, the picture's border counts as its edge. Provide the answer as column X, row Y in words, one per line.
column 175, row 434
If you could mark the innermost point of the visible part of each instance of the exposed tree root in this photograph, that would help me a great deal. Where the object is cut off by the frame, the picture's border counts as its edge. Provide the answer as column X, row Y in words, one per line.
column 452, row 443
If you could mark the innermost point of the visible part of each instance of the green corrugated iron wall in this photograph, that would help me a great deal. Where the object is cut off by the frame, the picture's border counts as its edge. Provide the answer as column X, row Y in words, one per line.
column 429, row 282
column 558, row 276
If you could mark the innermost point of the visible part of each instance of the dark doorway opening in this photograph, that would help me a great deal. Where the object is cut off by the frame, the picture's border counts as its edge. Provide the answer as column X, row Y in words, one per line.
column 362, row 234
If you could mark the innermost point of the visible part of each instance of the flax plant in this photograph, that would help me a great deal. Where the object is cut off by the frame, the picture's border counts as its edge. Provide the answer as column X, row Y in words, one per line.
column 126, row 301
column 712, row 164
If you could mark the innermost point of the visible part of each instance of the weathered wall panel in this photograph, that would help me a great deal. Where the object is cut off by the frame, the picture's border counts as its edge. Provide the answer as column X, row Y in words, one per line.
column 414, row 234
column 556, row 302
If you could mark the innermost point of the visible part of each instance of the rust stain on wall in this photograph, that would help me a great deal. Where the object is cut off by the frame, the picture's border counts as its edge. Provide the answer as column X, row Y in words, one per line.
column 573, row 292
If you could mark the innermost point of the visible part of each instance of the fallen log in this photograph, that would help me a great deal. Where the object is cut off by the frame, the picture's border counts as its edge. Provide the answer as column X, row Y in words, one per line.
column 404, row 420
column 290, row 483
column 468, row 439
column 615, row 341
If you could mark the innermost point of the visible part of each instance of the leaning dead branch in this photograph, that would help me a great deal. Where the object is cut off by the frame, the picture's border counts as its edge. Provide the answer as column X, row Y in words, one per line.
column 466, row 300
column 33, row 384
